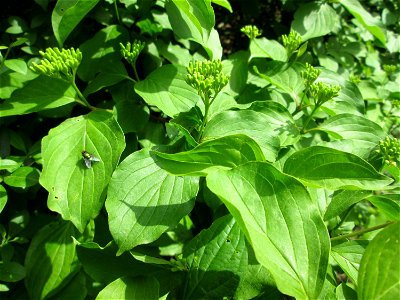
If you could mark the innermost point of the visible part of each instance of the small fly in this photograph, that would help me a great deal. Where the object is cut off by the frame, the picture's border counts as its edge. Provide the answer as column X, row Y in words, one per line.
column 89, row 158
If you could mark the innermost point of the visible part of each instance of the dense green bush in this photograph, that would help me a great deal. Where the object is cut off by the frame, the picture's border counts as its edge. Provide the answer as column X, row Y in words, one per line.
column 184, row 155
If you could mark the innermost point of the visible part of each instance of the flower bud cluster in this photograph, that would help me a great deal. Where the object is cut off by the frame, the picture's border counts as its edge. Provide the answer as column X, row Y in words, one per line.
column 251, row 31
column 291, row 42
column 206, row 77
column 389, row 148
column 131, row 51
column 310, row 75
column 323, row 92
column 58, row 63
column 389, row 69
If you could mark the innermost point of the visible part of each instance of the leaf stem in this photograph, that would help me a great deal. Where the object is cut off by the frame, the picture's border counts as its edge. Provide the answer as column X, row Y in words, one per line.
column 309, row 117
column 116, row 11
column 206, row 101
column 360, row 232
column 82, row 99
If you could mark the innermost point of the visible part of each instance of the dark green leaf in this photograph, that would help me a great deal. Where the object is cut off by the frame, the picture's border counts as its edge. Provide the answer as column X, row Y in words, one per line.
column 11, row 271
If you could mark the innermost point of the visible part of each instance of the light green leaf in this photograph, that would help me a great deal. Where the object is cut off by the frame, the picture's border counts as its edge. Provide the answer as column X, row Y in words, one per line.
column 372, row 24
column 133, row 288
column 144, row 201
column 213, row 45
column 166, row 88
column 263, row 47
column 66, row 16
column 379, row 276
column 11, row 164
column 314, row 19
column 17, row 65
column 39, row 94
column 75, row 191
column 343, row 200
column 348, row 256
column 51, row 259
column 176, row 54
column 223, row 3
column 281, row 222
column 11, row 271
column 11, row 81
column 333, row 169
column 221, row 153
column 101, row 52
column 215, row 258
column 23, row 177
column 254, row 124
column 388, row 204
column 3, row 197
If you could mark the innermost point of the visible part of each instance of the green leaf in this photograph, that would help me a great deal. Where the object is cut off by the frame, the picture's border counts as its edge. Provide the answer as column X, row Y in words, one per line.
column 221, row 153
column 166, row 88
column 348, row 256
column 281, row 222
column 314, row 19
column 215, row 259
column 3, row 198
column 23, row 177
column 371, row 23
column 363, row 133
column 17, row 65
column 191, row 19
column 345, row 292
column 66, row 16
column 263, row 47
column 101, row 52
column 343, row 200
column 9, row 164
column 223, row 3
column 75, row 191
column 38, row 94
column 150, row 200
column 379, row 276
column 51, row 260
column 333, row 169
column 11, row 81
column 11, row 271
column 388, row 204
column 236, row 67
column 254, row 124
column 75, row 289
column 131, row 288
column 131, row 116
column 106, row 78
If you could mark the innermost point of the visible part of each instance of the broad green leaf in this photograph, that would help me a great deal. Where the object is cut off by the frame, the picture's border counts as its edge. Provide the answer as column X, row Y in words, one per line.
column 11, row 81
column 23, row 177
column 281, row 222
column 314, row 19
column 75, row 289
column 131, row 116
column 106, row 78
column 361, row 132
column 11, row 271
column 371, row 23
column 166, row 88
column 333, row 169
column 263, row 47
column 39, row 94
column 348, row 256
column 3, row 197
column 75, row 191
column 17, row 65
column 236, row 67
column 176, row 54
column 379, row 276
column 388, row 204
column 191, row 19
column 221, row 153
column 9, row 164
column 343, row 200
column 223, row 3
column 213, row 45
column 134, row 288
column 66, row 16
column 280, row 119
column 254, row 124
column 144, row 201
column 215, row 259
column 51, row 259
column 345, row 292
column 101, row 52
